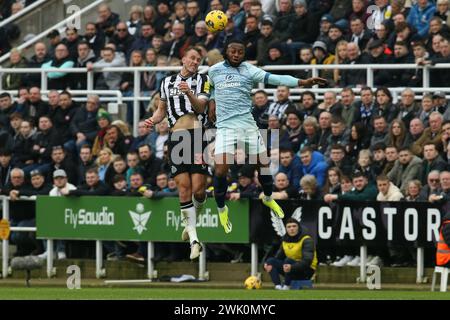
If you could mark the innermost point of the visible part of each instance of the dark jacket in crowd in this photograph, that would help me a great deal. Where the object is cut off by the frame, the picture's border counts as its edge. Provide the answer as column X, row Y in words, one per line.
column 282, row 23
column 68, row 166
column 107, row 27
column 36, row 110
column 46, row 140
column 62, row 118
column 150, row 168
column 19, row 210
column 6, row 140
column 352, row 78
column 304, row 28
column 251, row 41
column 369, row 193
column 99, row 189
column 29, row 190
column 81, row 170
column 124, row 44
column 79, row 80
column 22, row 150
column 96, row 43
column 84, row 122
column 308, row 261
column 34, row 79
column 5, row 173
column 437, row 164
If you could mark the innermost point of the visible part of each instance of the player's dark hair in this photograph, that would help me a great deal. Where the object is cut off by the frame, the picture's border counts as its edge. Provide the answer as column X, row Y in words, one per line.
column 231, row 41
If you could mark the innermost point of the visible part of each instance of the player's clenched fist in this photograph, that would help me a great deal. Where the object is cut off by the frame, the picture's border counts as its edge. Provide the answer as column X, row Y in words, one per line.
column 184, row 87
column 149, row 123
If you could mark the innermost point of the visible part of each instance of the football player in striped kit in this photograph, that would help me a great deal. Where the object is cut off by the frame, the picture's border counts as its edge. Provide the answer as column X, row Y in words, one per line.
column 184, row 100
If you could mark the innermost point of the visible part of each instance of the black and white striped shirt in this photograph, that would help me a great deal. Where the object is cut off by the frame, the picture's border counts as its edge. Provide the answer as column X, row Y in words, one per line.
column 178, row 104
column 278, row 109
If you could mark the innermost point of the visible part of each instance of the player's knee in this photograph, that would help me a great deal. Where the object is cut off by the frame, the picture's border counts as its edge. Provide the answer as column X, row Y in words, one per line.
column 184, row 191
column 199, row 194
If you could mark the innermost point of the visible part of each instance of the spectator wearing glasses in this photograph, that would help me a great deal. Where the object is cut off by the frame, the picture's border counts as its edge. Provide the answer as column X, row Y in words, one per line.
column 431, row 186
column 442, row 196
column 123, row 39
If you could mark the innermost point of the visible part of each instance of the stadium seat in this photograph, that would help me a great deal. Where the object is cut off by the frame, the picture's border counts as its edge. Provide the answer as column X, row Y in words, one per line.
column 444, row 278
column 301, row 284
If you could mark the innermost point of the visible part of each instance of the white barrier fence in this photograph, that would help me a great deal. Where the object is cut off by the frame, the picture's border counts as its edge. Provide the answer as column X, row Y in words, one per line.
column 100, row 271
column 137, row 89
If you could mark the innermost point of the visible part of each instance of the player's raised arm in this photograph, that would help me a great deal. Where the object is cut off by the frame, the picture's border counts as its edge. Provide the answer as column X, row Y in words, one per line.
column 158, row 115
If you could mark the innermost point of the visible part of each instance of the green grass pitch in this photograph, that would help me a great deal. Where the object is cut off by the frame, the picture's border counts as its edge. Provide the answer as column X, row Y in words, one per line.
column 119, row 293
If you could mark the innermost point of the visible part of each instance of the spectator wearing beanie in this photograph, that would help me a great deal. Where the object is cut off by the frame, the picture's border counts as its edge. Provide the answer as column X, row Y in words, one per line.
column 277, row 56
column 103, row 120
column 322, row 56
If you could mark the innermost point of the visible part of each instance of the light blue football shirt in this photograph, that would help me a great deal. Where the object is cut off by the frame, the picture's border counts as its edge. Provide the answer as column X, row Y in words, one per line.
column 232, row 88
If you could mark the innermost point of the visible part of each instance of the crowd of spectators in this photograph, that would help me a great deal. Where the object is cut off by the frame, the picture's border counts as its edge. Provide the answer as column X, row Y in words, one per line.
column 356, row 144
column 11, row 31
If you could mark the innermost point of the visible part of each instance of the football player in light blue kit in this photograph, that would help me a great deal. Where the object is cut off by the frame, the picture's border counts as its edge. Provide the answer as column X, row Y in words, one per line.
column 232, row 82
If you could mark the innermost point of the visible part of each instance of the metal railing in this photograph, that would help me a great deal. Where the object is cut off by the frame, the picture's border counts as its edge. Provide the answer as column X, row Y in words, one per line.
column 59, row 25
column 315, row 70
column 22, row 12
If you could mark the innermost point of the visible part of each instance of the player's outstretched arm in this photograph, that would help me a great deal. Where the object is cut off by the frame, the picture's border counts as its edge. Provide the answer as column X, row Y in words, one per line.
column 312, row 81
column 259, row 75
column 158, row 116
column 283, row 80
